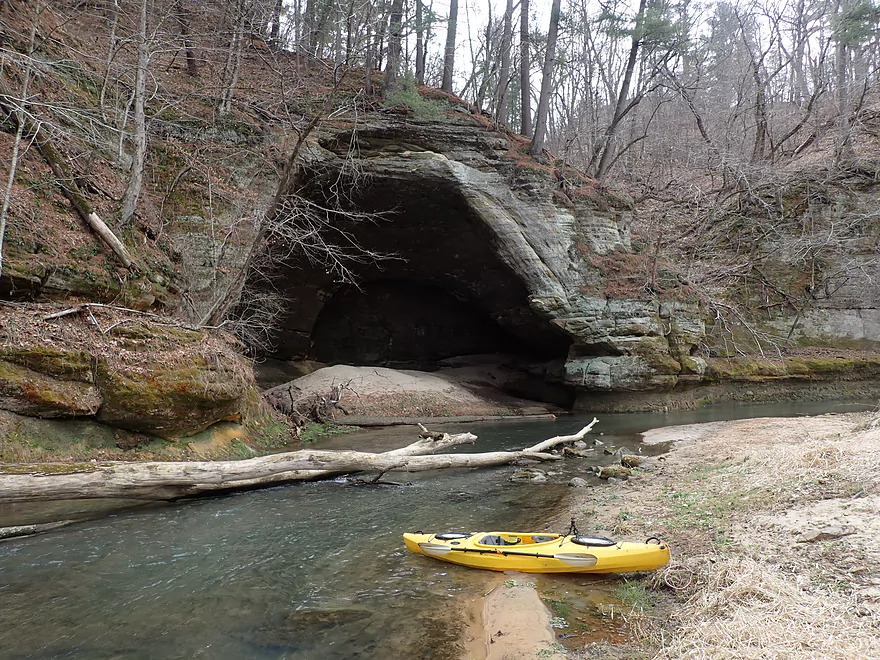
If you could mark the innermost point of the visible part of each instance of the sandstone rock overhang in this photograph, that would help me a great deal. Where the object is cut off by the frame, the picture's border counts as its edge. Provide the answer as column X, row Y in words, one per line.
column 490, row 251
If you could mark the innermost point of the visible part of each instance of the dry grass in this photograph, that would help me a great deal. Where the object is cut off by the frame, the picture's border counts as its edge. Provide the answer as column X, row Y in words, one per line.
column 744, row 608
column 762, row 595
column 733, row 499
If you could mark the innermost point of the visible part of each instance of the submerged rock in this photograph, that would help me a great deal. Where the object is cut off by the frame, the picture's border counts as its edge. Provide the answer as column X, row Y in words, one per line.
column 528, row 475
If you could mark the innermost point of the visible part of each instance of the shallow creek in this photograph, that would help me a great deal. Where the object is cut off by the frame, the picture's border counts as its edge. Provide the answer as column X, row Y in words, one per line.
column 303, row 571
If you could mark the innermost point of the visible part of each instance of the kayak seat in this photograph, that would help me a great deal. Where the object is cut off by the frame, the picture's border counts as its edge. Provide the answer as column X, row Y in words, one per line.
column 543, row 539
column 494, row 539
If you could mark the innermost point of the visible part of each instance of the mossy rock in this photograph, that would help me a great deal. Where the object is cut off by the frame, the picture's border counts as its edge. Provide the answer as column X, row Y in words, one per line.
column 744, row 369
column 823, row 365
column 175, row 400
column 614, row 471
column 691, row 365
column 66, row 365
column 142, row 335
column 30, row 392
column 630, row 461
column 19, row 280
column 655, row 352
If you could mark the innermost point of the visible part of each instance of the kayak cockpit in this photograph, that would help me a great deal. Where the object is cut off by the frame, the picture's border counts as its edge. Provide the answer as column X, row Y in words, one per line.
column 503, row 539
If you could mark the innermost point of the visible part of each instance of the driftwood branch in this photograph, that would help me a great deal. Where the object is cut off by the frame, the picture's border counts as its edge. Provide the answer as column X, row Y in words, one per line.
column 562, row 439
column 170, row 480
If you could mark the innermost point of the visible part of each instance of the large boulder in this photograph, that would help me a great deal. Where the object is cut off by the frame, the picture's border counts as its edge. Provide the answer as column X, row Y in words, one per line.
column 122, row 370
column 46, row 381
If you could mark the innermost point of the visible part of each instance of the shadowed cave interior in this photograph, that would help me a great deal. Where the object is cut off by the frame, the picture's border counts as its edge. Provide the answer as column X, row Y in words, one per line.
column 444, row 294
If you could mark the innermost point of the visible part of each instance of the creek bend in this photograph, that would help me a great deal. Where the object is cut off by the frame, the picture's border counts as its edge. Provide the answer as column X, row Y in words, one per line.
column 305, row 571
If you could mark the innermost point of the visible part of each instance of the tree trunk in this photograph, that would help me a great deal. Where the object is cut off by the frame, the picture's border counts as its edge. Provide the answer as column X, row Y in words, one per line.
column 420, row 44
column 843, row 148
column 501, row 103
column 233, row 62
column 192, row 68
column 525, row 72
column 546, row 81
column 276, row 24
column 393, row 61
column 610, row 132
column 139, row 134
column 368, row 65
column 179, row 479
column 449, row 53
column 111, row 53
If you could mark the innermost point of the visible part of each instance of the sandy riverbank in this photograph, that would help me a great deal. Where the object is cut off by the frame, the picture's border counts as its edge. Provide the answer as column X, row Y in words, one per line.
column 510, row 623
column 774, row 525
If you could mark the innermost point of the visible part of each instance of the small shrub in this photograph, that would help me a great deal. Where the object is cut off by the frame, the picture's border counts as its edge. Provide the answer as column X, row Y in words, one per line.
column 405, row 93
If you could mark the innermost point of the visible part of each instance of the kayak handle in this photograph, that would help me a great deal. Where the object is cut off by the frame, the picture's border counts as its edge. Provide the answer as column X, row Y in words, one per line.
column 656, row 540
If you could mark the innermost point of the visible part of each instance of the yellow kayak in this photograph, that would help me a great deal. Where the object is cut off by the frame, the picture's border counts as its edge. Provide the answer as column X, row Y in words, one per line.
column 540, row 553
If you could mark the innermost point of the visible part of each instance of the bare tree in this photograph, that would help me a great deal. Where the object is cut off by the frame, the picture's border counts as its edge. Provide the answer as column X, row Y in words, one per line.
column 139, row 132
column 275, row 30
column 501, row 103
column 232, row 67
column 20, row 120
column 546, row 81
column 192, row 67
column 620, row 109
column 449, row 52
column 420, row 43
column 394, row 35
column 525, row 70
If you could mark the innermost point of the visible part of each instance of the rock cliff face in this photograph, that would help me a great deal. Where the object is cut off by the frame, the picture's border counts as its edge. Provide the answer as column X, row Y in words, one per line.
column 488, row 251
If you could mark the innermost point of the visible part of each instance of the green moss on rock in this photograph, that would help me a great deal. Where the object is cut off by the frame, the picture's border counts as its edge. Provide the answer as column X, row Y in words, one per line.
column 754, row 369
column 66, row 365
column 172, row 400
column 29, row 392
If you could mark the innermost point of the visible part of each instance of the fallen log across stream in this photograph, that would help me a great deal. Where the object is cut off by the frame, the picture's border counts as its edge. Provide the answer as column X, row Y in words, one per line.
column 172, row 480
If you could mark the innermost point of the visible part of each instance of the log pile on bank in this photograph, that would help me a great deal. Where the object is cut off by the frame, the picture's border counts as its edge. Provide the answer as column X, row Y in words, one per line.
column 171, row 480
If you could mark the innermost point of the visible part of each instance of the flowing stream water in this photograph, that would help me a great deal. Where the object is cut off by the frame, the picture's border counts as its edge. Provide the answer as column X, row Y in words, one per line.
column 304, row 571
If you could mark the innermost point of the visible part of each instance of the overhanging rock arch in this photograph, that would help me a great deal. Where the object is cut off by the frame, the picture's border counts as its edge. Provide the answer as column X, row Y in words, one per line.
column 494, row 242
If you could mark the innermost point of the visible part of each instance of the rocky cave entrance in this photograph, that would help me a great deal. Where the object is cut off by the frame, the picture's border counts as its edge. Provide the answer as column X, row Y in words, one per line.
column 445, row 294
column 404, row 325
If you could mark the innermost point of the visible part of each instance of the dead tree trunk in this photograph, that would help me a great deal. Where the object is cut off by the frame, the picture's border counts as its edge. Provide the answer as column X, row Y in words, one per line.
column 139, row 135
column 172, row 480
